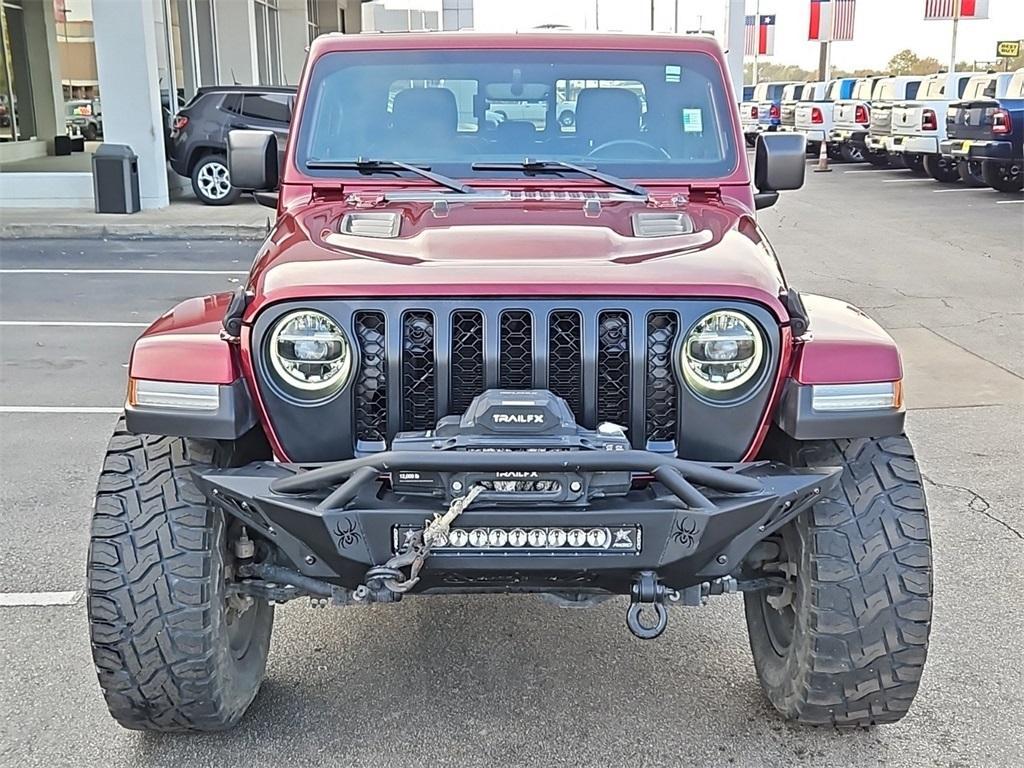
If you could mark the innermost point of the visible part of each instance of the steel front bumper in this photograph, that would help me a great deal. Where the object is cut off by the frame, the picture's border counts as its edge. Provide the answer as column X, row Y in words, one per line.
column 915, row 145
column 977, row 150
column 687, row 522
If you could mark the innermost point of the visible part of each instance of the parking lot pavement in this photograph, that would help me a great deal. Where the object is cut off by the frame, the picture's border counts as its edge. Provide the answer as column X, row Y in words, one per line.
column 512, row 681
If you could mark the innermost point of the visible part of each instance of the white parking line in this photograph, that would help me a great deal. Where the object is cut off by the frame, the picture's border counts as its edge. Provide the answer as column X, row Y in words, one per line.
column 21, row 599
column 1009, row 202
column 50, row 271
column 59, row 409
column 876, row 170
column 73, row 324
column 963, row 189
column 901, row 181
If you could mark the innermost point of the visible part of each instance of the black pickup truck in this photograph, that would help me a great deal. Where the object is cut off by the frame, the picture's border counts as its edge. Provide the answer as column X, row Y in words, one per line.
column 986, row 132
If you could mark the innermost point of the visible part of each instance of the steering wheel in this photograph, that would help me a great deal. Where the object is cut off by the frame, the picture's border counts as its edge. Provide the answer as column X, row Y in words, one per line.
column 656, row 153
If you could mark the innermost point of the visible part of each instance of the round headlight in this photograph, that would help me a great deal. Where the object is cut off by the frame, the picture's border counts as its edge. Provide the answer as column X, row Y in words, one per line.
column 723, row 351
column 309, row 351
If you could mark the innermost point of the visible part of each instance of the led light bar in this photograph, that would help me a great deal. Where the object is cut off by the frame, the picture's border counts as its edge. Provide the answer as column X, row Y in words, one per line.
column 144, row 393
column 856, row 397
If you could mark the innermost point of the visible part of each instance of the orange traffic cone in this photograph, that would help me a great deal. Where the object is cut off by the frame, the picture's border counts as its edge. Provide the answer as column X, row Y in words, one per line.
column 823, row 159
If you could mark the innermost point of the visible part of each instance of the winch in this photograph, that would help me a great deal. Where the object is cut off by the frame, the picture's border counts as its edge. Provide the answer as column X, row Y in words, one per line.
column 533, row 420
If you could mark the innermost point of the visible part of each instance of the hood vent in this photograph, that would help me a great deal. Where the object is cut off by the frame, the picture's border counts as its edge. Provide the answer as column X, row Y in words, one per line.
column 661, row 224
column 377, row 224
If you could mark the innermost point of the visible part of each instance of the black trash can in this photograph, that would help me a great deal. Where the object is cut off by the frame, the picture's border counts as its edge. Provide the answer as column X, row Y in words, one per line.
column 115, row 179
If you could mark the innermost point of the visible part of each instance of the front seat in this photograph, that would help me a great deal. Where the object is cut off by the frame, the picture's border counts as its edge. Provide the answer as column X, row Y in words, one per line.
column 607, row 114
column 424, row 122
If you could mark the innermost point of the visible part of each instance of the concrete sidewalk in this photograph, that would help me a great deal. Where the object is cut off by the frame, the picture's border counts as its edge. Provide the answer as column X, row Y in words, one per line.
column 183, row 220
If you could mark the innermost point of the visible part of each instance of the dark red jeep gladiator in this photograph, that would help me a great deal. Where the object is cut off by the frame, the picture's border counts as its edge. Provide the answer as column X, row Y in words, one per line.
column 483, row 351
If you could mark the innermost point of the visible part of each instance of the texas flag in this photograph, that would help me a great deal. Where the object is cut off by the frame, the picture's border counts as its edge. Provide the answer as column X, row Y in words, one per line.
column 832, row 20
column 760, row 38
column 948, row 9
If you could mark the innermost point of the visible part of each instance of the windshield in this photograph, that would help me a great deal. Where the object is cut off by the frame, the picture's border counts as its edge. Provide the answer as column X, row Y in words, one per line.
column 639, row 114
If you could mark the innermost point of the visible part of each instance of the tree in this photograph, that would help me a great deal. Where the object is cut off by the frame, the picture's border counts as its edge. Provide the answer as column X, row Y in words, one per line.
column 904, row 62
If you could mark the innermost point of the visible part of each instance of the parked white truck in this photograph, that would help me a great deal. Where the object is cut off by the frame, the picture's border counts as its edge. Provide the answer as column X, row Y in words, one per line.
column 919, row 126
column 851, row 119
column 879, row 139
column 814, row 114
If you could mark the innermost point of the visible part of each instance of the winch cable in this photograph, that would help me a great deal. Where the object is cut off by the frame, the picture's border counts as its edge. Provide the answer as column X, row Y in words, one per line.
column 414, row 552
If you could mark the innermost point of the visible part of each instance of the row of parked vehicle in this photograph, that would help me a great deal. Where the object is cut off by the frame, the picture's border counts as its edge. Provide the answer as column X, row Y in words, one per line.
column 961, row 127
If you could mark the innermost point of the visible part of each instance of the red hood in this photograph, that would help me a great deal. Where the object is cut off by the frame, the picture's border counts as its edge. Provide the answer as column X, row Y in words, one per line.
column 530, row 247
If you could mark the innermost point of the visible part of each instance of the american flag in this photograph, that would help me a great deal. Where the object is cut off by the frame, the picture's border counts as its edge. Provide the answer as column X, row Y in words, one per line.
column 946, row 9
column 832, row 20
column 759, row 39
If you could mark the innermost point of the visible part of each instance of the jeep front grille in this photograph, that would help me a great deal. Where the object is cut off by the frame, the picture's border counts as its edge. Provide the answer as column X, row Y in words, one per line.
column 609, row 365
column 422, row 359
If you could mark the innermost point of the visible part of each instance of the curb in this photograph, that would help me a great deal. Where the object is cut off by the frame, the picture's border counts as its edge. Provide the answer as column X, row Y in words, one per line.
column 134, row 231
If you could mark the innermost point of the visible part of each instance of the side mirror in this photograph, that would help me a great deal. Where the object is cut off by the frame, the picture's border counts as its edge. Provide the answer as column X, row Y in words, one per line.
column 780, row 160
column 253, row 160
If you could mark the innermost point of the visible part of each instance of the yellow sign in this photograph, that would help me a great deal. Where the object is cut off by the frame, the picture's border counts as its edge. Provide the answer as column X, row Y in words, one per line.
column 1008, row 48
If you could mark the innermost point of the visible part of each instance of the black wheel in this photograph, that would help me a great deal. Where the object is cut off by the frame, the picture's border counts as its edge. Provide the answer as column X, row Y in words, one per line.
column 941, row 169
column 174, row 651
column 834, row 151
column 914, row 162
column 844, row 643
column 1004, row 177
column 970, row 173
column 850, row 153
column 813, row 148
column 211, row 183
column 751, row 139
column 89, row 132
column 878, row 159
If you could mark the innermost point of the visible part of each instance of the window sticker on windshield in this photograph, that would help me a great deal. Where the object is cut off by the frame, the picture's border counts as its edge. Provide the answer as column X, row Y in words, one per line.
column 693, row 121
column 673, row 73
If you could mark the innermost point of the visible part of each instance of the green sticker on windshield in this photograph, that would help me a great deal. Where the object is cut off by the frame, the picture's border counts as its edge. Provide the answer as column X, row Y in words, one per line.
column 673, row 73
column 693, row 121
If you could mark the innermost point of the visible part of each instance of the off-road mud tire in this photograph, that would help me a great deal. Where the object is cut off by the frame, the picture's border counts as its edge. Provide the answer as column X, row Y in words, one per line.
column 156, row 594
column 863, row 592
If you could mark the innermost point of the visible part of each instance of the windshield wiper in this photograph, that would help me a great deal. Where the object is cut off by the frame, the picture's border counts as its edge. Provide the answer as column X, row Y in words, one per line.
column 366, row 165
column 530, row 166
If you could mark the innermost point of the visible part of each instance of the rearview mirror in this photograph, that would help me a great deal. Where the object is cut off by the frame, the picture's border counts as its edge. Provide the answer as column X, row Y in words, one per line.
column 252, row 160
column 780, row 160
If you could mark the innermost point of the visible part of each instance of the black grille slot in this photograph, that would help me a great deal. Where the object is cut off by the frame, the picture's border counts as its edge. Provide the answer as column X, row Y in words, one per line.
column 418, row 372
column 565, row 358
column 613, row 368
column 660, row 397
column 467, row 376
column 515, row 358
column 371, row 389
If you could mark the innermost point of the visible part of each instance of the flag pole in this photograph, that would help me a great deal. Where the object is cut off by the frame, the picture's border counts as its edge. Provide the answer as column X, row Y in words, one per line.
column 757, row 41
column 956, row 22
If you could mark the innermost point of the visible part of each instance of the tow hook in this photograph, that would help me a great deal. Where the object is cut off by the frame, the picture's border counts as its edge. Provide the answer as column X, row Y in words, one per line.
column 645, row 592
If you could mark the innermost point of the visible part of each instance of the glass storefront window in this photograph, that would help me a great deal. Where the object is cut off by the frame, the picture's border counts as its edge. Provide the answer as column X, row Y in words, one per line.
column 17, row 119
column 268, row 43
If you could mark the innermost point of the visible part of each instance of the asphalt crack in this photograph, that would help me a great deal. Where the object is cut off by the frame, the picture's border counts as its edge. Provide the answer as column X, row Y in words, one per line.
column 977, row 503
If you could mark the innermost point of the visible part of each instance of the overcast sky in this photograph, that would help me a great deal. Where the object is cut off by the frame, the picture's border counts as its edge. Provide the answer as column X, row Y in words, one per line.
column 882, row 27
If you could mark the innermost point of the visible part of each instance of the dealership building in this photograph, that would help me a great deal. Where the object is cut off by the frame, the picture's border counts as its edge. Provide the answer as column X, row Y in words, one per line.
column 127, row 65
